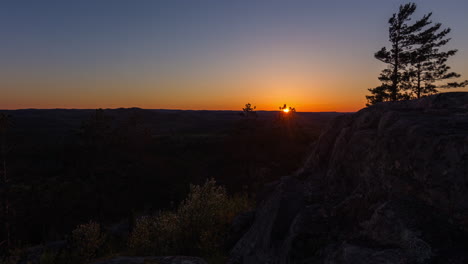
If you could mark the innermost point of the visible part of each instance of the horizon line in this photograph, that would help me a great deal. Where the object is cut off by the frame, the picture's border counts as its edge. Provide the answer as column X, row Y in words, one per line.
column 166, row 109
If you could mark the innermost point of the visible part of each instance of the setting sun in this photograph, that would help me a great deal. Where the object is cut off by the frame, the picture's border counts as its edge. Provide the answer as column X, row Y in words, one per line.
column 286, row 110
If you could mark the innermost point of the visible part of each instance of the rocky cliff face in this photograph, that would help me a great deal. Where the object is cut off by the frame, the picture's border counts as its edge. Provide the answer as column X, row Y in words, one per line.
column 388, row 184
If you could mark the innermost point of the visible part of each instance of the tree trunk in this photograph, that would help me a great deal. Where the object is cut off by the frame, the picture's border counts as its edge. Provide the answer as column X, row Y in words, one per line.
column 394, row 82
column 394, row 91
column 419, row 83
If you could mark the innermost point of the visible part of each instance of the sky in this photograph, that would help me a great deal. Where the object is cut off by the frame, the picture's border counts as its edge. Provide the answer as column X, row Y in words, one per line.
column 203, row 54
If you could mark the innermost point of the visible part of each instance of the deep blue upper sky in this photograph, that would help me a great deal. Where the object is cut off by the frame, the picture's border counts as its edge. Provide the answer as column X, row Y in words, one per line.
column 201, row 54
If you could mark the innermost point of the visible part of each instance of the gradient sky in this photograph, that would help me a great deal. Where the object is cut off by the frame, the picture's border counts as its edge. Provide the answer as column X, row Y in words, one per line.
column 200, row 54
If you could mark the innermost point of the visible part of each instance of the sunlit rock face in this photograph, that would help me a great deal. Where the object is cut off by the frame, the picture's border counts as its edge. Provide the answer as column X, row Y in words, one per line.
column 388, row 184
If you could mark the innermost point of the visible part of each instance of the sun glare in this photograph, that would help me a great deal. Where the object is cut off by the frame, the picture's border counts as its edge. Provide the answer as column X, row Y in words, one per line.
column 286, row 110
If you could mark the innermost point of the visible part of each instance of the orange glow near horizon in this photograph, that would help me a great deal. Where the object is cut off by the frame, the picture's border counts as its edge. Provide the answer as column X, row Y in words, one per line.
column 201, row 56
column 264, row 77
column 315, row 91
column 286, row 110
column 187, row 95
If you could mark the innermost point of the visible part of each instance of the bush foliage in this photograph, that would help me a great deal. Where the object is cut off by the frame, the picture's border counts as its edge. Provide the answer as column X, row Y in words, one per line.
column 86, row 240
column 197, row 227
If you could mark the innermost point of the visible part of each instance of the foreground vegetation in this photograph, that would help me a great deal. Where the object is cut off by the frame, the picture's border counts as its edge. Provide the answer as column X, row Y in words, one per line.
column 198, row 226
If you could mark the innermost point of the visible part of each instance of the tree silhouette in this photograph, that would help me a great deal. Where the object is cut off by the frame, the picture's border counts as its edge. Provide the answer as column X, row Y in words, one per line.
column 428, row 64
column 5, row 125
column 96, row 131
column 401, row 38
column 414, row 59
column 96, row 135
column 248, row 111
column 284, row 109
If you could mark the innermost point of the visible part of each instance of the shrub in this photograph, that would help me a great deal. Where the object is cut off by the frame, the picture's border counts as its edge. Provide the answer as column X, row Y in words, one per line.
column 154, row 234
column 86, row 239
column 197, row 227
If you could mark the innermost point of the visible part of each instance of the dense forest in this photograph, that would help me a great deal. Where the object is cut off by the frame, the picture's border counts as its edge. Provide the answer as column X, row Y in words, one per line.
column 114, row 166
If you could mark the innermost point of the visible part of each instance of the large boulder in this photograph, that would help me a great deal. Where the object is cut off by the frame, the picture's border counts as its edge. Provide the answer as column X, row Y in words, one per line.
column 388, row 184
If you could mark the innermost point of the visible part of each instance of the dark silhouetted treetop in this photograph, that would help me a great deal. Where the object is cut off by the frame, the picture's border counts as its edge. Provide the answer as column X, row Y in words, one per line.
column 285, row 109
column 249, row 111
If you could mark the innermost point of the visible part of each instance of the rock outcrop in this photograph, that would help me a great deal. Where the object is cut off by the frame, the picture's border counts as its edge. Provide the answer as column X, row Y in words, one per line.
column 388, row 184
